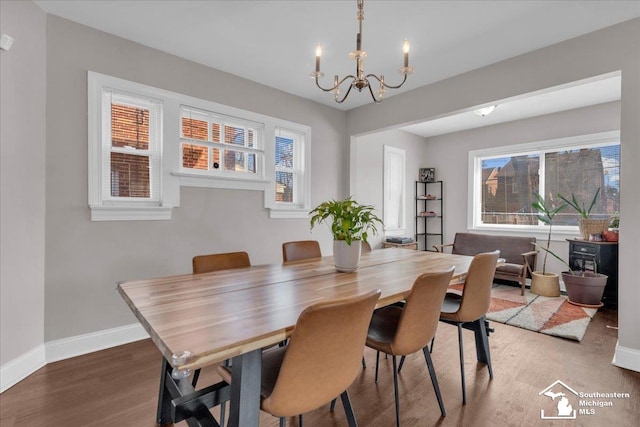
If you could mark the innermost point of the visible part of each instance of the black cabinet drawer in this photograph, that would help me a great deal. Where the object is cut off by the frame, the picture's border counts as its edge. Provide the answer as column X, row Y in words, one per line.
column 579, row 248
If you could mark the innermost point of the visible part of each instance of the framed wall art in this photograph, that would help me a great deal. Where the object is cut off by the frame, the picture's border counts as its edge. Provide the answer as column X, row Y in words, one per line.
column 428, row 174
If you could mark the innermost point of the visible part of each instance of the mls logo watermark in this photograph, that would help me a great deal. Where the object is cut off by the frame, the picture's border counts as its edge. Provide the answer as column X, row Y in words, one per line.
column 562, row 395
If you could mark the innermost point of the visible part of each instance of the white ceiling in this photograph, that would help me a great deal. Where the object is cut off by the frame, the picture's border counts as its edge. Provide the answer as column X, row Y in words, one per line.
column 273, row 42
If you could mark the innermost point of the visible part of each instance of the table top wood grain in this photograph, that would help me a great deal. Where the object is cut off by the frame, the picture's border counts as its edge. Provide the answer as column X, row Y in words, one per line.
column 219, row 315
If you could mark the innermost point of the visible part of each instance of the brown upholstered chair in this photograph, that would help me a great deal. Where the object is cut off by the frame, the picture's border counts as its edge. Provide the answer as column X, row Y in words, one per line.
column 216, row 262
column 470, row 307
column 401, row 330
column 321, row 360
column 301, row 249
column 223, row 261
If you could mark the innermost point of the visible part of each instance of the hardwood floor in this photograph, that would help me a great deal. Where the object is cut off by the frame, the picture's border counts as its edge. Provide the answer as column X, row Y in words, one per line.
column 119, row 386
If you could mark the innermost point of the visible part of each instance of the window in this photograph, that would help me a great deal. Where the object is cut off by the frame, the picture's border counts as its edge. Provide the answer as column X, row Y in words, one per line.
column 505, row 180
column 145, row 143
column 220, row 145
column 394, row 191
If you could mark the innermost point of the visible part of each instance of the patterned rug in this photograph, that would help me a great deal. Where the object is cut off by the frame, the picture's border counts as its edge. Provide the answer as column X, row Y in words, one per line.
column 547, row 315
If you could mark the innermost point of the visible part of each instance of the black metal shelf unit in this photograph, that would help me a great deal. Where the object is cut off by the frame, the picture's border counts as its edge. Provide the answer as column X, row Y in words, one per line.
column 429, row 215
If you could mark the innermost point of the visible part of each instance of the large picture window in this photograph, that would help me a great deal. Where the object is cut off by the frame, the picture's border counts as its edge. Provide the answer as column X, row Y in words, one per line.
column 505, row 180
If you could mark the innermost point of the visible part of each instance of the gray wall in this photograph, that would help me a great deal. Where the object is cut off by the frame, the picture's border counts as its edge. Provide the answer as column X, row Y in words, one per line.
column 367, row 161
column 22, row 179
column 611, row 49
column 84, row 259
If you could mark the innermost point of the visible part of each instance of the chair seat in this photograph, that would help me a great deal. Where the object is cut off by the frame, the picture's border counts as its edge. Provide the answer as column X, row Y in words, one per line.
column 383, row 327
column 507, row 268
column 450, row 306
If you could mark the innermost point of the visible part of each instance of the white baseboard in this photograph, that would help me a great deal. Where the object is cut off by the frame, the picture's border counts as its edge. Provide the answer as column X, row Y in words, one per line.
column 21, row 367
column 627, row 358
column 82, row 344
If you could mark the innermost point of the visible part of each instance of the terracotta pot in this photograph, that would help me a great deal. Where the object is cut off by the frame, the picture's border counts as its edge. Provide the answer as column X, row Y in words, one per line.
column 585, row 288
column 346, row 257
column 610, row 236
column 546, row 285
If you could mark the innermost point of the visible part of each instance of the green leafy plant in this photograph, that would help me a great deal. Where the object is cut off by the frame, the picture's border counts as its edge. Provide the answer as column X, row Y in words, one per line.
column 615, row 220
column 545, row 215
column 580, row 207
column 349, row 219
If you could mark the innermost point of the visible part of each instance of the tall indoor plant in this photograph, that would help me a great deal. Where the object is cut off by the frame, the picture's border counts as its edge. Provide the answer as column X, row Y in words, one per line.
column 542, row 282
column 350, row 224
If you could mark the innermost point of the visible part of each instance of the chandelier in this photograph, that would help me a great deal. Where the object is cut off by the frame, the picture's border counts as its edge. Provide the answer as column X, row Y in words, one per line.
column 360, row 81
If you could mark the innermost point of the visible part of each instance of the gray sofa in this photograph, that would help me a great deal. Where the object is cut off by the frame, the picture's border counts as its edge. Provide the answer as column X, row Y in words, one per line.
column 516, row 251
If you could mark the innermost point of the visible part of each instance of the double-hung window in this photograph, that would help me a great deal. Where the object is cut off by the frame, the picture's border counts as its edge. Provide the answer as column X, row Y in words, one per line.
column 125, row 153
column 504, row 181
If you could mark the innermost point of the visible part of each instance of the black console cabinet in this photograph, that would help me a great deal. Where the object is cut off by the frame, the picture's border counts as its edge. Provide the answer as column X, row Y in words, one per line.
column 601, row 257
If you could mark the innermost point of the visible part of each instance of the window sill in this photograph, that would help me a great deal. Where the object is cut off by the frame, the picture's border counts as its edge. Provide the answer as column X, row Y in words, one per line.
column 288, row 213
column 130, row 213
column 200, row 180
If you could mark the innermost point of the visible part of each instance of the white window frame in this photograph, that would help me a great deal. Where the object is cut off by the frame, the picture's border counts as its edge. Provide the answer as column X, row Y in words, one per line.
column 540, row 147
column 390, row 188
column 171, row 173
column 224, row 121
column 103, row 206
column 299, row 208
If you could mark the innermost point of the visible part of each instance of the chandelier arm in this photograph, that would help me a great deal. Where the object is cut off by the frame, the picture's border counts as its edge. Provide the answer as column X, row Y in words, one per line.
column 336, row 86
column 377, row 101
column 388, row 86
column 345, row 95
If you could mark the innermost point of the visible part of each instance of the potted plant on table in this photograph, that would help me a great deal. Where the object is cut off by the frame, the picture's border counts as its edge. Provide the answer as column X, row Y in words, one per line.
column 542, row 282
column 586, row 223
column 351, row 223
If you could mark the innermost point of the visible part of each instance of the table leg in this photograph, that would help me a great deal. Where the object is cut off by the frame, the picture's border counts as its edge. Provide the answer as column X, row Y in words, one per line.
column 245, row 389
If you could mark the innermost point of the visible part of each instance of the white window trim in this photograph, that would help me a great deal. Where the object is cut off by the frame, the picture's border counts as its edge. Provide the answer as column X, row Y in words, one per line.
column 559, row 233
column 104, row 208
column 402, row 228
column 172, row 175
column 302, row 205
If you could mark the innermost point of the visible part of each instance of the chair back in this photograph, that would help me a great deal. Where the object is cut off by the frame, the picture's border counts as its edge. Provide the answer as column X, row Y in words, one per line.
column 419, row 319
column 301, row 249
column 224, row 261
column 476, row 295
column 323, row 356
column 366, row 247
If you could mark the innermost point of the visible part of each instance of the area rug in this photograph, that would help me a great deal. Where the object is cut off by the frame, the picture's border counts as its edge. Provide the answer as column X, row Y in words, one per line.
column 547, row 315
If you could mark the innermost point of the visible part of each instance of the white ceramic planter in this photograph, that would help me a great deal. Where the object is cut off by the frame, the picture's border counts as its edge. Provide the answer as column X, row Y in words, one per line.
column 346, row 257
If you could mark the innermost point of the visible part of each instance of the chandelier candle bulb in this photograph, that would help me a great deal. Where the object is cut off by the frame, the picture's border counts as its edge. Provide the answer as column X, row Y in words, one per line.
column 405, row 50
column 318, row 55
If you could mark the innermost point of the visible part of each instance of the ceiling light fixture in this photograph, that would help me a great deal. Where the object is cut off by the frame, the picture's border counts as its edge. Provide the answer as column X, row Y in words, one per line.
column 484, row 111
column 360, row 81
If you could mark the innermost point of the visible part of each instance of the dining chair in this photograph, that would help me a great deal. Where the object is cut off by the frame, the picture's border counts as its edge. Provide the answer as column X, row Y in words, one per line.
column 300, row 249
column 470, row 308
column 321, row 360
column 222, row 261
column 400, row 330
column 217, row 262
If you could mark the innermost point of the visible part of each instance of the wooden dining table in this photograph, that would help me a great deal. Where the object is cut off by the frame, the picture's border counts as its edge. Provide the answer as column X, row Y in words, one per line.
column 205, row 319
